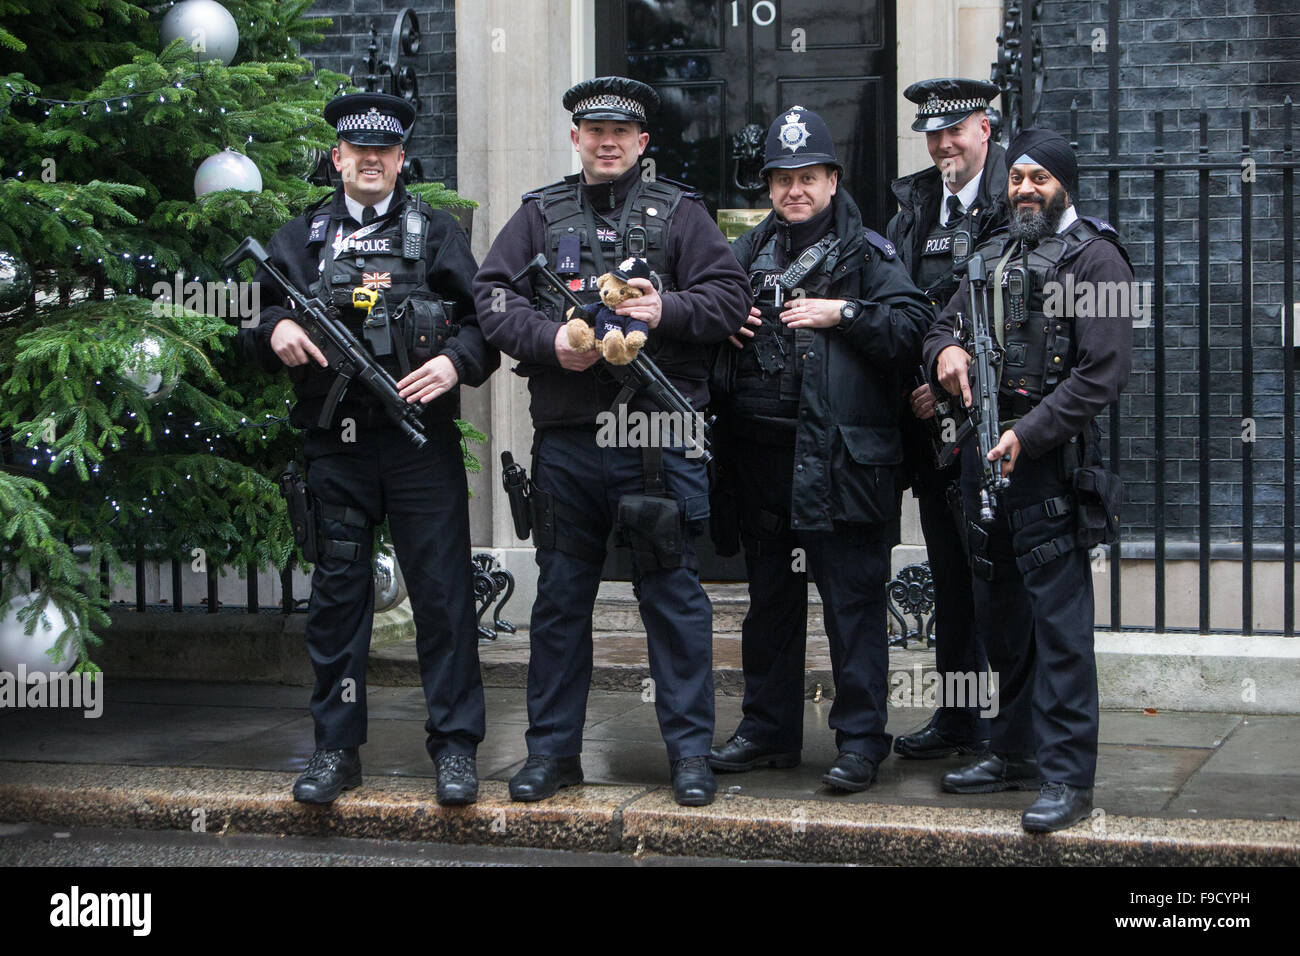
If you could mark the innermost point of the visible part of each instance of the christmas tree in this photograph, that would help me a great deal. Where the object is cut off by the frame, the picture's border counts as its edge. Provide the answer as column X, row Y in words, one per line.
column 130, row 427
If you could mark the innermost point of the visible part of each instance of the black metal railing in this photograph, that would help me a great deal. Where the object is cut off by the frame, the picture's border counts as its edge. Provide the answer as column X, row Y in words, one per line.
column 1246, row 167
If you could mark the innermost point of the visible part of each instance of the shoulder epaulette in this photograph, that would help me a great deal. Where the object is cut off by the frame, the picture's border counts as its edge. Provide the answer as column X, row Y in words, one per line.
column 549, row 194
column 688, row 191
column 887, row 248
column 1100, row 224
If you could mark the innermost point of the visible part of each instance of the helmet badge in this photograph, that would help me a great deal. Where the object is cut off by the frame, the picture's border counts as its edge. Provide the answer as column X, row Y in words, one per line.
column 794, row 134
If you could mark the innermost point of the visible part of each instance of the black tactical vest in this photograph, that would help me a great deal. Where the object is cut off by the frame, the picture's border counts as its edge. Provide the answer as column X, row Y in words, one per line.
column 1039, row 349
column 653, row 205
column 934, row 275
column 389, row 255
column 769, row 369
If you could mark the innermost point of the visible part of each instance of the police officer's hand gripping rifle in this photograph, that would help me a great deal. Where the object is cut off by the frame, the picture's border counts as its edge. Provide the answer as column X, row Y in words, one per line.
column 984, row 389
column 348, row 359
column 641, row 374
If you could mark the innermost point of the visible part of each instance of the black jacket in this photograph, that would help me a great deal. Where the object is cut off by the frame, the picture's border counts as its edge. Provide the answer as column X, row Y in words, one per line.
column 710, row 303
column 450, row 275
column 1103, row 354
column 918, row 198
column 847, row 445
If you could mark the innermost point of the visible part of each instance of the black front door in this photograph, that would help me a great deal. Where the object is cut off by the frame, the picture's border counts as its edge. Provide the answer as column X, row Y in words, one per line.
column 719, row 65
column 722, row 64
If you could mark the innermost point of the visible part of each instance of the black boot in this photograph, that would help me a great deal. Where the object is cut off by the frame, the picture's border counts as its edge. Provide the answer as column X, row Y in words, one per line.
column 993, row 774
column 457, row 780
column 328, row 774
column 928, row 744
column 850, row 771
column 693, row 782
column 1058, row 806
column 739, row 754
column 541, row 776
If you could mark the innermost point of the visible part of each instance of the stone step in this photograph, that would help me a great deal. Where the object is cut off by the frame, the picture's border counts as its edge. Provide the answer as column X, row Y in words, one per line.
column 619, row 662
column 616, row 607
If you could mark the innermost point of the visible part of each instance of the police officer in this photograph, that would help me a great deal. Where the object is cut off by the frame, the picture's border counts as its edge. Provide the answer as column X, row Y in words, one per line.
column 372, row 233
column 813, row 389
column 585, row 225
column 1033, row 584
column 944, row 212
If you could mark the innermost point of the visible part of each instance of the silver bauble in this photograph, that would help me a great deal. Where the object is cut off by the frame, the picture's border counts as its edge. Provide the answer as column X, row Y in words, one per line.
column 15, row 283
column 227, row 170
column 390, row 586
column 135, row 369
column 17, row 647
column 207, row 28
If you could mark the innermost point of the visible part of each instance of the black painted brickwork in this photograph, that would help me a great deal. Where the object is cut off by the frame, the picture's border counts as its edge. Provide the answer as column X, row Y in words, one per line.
column 1178, row 56
column 345, row 47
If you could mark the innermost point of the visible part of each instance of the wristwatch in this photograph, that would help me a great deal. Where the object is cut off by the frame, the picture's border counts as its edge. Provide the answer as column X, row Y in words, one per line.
column 848, row 313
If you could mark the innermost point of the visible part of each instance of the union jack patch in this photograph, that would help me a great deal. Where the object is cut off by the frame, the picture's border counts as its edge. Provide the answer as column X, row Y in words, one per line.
column 377, row 280
column 606, row 235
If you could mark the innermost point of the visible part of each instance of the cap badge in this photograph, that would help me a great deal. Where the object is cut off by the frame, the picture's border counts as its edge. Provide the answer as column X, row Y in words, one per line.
column 794, row 134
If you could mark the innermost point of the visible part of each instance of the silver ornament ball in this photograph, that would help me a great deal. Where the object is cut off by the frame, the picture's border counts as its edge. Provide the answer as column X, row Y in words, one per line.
column 206, row 26
column 390, row 586
column 137, row 370
column 15, row 282
column 227, row 170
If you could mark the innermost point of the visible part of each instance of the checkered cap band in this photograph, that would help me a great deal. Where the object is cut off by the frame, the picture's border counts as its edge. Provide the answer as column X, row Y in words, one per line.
column 609, row 101
column 937, row 107
column 371, row 119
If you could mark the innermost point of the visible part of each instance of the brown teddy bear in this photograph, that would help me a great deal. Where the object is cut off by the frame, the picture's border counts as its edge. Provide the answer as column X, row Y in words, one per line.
column 621, row 337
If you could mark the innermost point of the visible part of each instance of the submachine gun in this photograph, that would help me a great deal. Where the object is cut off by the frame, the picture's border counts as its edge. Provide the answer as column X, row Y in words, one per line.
column 347, row 358
column 641, row 374
column 985, row 361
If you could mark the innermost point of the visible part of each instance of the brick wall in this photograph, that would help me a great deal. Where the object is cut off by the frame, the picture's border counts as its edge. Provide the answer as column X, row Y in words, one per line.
column 345, row 47
column 1179, row 56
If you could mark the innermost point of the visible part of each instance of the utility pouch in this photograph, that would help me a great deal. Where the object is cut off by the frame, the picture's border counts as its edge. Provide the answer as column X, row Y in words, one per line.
column 1099, row 494
column 426, row 325
column 652, row 526
column 302, row 514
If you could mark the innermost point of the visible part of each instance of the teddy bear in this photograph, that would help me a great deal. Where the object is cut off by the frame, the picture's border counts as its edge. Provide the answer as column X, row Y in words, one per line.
column 621, row 337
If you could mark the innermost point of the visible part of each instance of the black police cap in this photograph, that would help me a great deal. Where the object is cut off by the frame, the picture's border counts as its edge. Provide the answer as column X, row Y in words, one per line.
column 611, row 98
column 797, row 138
column 371, row 119
column 947, row 101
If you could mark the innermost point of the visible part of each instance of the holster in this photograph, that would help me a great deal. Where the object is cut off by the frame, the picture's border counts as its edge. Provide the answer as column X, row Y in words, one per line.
column 977, row 547
column 652, row 526
column 1099, row 494
column 302, row 513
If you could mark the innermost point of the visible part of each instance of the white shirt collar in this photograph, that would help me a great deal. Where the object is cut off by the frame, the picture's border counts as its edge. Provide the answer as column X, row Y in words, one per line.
column 355, row 208
column 966, row 194
column 1068, row 219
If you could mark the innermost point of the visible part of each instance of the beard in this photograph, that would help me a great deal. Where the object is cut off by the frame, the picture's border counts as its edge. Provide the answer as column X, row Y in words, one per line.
column 1032, row 225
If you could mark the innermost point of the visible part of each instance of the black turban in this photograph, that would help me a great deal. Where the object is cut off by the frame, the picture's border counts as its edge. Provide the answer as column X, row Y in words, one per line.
column 1049, row 149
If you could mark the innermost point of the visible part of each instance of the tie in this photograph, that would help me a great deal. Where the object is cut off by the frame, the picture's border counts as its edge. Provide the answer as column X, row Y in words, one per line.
column 954, row 209
column 368, row 214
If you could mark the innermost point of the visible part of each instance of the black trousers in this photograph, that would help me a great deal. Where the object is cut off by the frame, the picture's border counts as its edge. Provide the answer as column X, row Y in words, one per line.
column 851, row 566
column 676, row 612
column 1037, row 627
column 426, row 497
column 958, row 648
